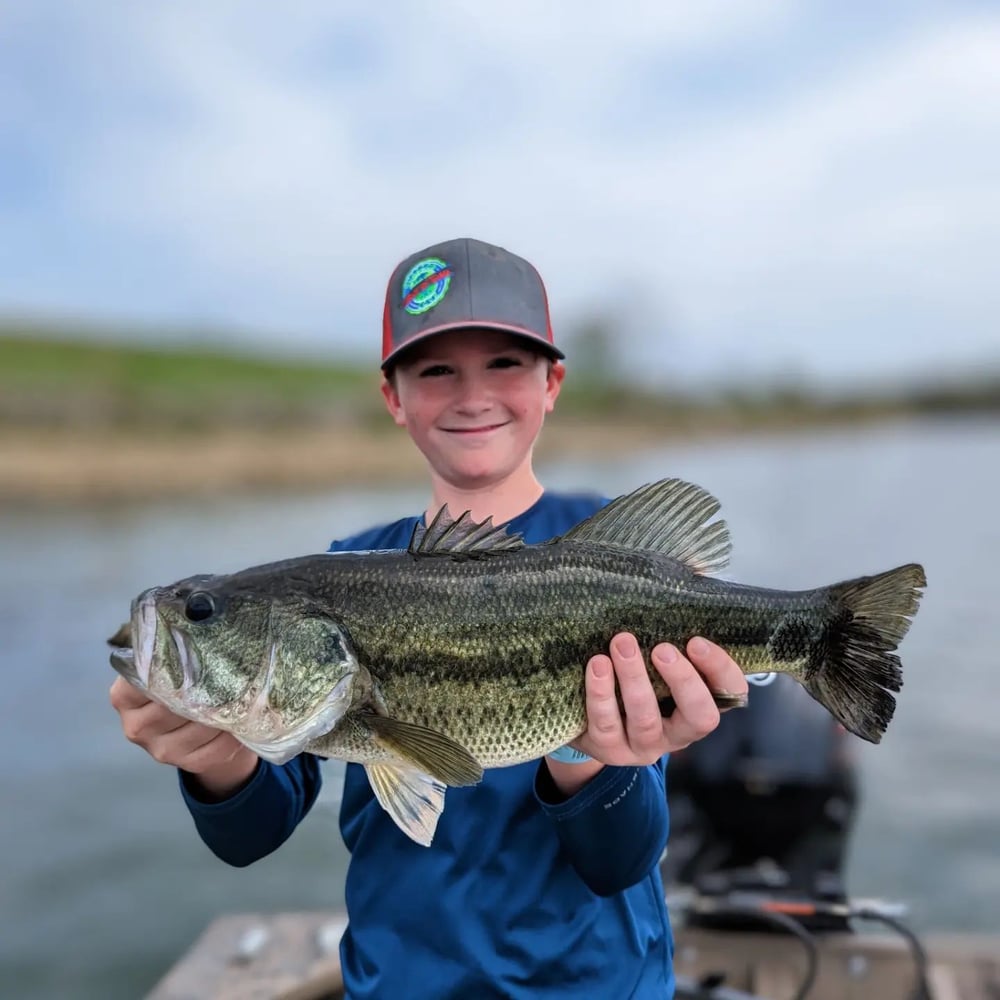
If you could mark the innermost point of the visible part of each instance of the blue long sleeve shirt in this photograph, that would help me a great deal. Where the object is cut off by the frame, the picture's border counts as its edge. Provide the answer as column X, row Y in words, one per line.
column 523, row 893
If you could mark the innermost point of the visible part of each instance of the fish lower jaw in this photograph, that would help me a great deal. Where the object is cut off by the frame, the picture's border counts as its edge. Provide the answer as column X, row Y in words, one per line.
column 123, row 661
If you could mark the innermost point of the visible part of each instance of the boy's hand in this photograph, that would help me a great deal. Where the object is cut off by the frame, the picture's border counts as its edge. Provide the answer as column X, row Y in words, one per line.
column 220, row 763
column 640, row 735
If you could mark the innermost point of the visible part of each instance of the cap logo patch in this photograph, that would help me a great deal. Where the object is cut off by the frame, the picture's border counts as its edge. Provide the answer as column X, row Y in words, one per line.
column 425, row 285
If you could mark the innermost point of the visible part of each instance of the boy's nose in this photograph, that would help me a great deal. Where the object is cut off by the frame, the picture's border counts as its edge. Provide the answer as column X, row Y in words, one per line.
column 473, row 396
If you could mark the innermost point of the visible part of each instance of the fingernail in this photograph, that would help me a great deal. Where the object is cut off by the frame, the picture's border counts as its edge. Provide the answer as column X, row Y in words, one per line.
column 666, row 654
column 626, row 646
column 697, row 647
column 601, row 668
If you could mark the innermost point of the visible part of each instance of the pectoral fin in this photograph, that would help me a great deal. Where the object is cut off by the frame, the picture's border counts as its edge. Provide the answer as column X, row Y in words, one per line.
column 427, row 750
column 413, row 800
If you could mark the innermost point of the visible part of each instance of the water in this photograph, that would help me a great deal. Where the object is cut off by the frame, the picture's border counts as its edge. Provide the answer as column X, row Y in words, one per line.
column 105, row 882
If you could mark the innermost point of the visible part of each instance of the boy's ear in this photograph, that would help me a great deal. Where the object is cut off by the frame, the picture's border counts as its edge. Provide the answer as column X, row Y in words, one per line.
column 392, row 404
column 557, row 372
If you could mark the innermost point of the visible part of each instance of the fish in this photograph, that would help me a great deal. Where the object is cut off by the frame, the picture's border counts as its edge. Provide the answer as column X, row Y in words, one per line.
column 467, row 650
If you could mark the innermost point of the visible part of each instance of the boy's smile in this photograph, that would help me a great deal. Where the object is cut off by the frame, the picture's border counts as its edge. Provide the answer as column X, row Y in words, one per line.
column 475, row 430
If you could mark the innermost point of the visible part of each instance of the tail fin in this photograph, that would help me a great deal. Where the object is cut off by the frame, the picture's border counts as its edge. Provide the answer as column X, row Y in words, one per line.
column 858, row 666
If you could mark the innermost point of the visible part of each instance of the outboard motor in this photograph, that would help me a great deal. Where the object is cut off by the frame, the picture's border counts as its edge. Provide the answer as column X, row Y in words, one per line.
column 775, row 786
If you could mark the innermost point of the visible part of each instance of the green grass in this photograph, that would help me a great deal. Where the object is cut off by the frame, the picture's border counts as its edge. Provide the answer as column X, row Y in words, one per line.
column 49, row 378
column 45, row 378
column 30, row 362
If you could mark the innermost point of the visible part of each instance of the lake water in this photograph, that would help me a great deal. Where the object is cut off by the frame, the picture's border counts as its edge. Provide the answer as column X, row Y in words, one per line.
column 105, row 882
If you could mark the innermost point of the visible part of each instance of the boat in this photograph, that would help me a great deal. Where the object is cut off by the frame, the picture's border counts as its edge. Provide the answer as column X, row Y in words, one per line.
column 744, row 947
column 750, row 941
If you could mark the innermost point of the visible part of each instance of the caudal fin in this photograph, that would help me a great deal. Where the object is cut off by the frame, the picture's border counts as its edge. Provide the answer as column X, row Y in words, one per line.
column 859, row 667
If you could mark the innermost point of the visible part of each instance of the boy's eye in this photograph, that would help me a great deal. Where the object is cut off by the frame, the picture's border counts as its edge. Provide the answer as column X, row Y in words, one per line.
column 435, row 370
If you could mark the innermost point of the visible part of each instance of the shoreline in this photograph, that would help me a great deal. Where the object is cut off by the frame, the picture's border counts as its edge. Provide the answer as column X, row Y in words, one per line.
column 64, row 467
column 83, row 421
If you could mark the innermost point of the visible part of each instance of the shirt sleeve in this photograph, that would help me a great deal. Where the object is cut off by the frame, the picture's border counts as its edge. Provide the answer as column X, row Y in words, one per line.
column 614, row 829
column 262, row 815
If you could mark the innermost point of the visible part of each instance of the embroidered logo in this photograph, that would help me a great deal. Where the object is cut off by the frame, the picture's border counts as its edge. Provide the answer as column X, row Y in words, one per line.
column 425, row 285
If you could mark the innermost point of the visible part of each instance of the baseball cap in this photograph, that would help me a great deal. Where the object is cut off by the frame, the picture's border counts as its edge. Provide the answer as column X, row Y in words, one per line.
column 464, row 283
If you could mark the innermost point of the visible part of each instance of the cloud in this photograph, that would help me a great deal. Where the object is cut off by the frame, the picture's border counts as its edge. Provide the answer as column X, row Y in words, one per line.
column 265, row 170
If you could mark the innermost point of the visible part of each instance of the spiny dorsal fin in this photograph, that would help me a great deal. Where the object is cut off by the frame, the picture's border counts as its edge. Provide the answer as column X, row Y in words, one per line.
column 464, row 538
column 670, row 517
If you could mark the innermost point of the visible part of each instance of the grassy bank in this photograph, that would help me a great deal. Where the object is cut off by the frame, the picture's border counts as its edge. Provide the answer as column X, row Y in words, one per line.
column 50, row 382
column 84, row 420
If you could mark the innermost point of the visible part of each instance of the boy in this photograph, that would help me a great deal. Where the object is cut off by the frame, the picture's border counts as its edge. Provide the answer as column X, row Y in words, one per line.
column 542, row 881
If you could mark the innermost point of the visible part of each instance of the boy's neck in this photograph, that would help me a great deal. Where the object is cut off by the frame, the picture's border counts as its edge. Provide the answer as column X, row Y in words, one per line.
column 501, row 501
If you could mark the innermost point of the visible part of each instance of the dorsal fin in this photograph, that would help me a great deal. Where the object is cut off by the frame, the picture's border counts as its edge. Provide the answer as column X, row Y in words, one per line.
column 670, row 517
column 464, row 538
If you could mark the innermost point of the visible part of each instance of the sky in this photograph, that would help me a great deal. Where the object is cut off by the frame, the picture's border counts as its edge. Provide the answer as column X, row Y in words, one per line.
column 753, row 189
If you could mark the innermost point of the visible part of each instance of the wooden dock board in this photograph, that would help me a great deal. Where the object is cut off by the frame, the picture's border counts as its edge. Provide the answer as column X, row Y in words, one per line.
column 294, row 956
column 251, row 956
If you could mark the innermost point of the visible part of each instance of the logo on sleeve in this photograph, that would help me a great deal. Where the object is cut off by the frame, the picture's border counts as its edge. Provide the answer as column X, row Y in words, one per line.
column 425, row 285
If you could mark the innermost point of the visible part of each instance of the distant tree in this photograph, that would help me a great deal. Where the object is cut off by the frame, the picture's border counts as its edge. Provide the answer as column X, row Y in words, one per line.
column 591, row 348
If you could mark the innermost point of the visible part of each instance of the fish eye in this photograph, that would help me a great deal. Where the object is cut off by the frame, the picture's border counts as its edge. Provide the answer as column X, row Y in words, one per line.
column 199, row 606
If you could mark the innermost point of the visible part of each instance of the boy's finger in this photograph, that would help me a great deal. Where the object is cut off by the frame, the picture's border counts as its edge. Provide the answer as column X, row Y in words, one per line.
column 643, row 721
column 696, row 713
column 604, row 720
column 220, row 749
column 720, row 671
column 125, row 696
column 178, row 744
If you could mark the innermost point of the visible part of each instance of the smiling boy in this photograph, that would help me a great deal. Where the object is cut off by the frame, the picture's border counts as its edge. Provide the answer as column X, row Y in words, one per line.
column 542, row 881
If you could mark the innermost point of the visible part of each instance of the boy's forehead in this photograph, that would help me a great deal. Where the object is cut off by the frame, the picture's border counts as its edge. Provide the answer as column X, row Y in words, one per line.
column 471, row 340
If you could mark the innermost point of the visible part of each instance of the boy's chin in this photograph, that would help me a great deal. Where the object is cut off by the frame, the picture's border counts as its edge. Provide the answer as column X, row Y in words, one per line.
column 478, row 475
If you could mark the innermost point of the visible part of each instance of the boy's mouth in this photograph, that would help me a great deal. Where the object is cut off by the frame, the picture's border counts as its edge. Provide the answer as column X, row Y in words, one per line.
column 485, row 429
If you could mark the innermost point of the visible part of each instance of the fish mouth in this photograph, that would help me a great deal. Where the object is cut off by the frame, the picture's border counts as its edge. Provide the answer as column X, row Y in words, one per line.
column 134, row 642
column 123, row 660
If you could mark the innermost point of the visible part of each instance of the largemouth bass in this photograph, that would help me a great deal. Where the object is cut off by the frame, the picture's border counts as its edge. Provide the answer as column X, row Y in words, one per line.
column 468, row 649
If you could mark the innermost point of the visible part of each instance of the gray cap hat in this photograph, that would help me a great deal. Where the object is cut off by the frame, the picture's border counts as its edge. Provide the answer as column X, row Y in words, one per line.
column 464, row 283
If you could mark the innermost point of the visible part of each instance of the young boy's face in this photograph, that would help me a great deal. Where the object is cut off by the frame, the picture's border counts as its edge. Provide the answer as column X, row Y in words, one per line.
column 473, row 401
